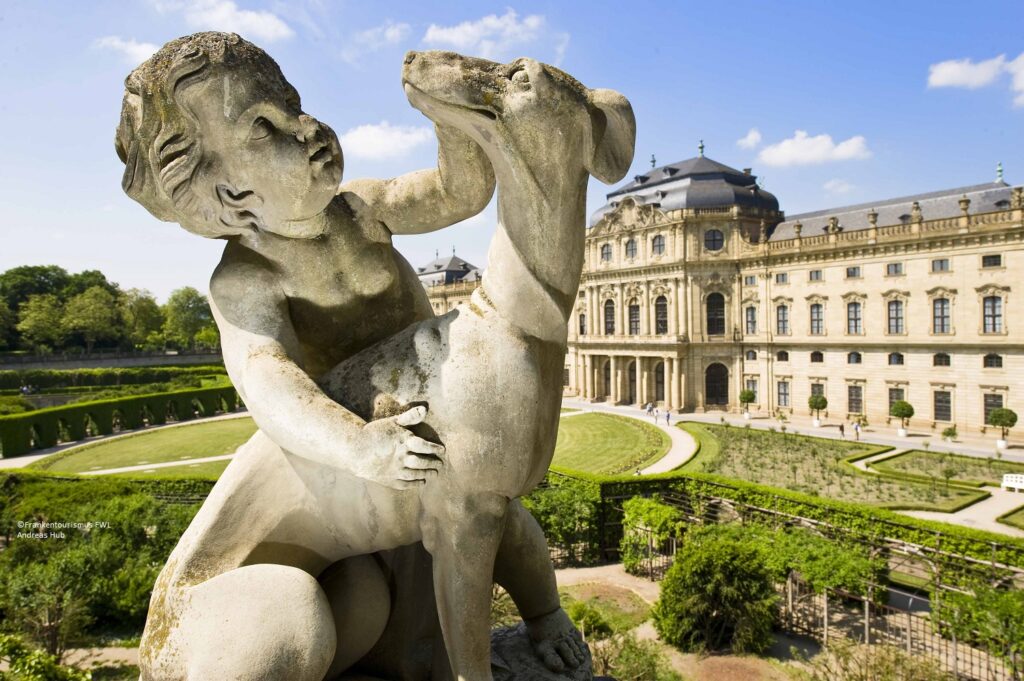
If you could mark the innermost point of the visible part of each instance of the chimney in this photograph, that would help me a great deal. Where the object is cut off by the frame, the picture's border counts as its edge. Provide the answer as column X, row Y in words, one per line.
column 747, row 171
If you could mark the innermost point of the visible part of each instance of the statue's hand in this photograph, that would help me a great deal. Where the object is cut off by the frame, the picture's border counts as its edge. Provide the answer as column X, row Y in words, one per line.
column 392, row 456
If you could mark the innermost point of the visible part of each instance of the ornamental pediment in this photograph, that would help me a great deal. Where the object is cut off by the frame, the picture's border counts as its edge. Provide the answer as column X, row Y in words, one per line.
column 816, row 298
column 627, row 216
column 992, row 289
column 941, row 292
column 854, row 297
column 893, row 294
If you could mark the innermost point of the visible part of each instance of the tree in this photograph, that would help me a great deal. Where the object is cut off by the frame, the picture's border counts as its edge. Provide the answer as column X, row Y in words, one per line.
column 817, row 403
column 208, row 337
column 142, row 316
column 746, row 397
column 186, row 313
column 902, row 410
column 1003, row 419
column 949, row 473
column 40, row 321
column 8, row 326
column 85, row 280
column 93, row 314
column 18, row 284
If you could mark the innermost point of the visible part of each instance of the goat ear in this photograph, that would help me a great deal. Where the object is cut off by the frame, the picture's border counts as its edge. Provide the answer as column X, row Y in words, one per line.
column 612, row 135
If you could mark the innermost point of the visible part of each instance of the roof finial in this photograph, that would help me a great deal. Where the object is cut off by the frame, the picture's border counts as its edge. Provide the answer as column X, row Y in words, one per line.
column 437, row 254
column 999, row 172
column 700, row 148
column 653, row 161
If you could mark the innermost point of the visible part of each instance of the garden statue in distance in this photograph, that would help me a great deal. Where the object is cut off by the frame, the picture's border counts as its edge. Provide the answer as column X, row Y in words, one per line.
column 379, row 426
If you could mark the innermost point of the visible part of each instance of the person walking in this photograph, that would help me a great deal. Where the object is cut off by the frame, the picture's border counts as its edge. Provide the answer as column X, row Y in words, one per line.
column 856, row 431
column 668, row 418
column 656, row 415
column 842, row 431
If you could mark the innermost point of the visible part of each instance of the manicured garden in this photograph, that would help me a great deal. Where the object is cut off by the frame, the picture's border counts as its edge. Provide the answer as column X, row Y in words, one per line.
column 957, row 468
column 1014, row 518
column 815, row 466
column 606, row 444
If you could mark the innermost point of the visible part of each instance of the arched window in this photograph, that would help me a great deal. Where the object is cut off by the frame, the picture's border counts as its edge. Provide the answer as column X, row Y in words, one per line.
column 658, row 245
column 817, row 357
column 631, row 249
column 606, row 252
column 896, row 316
column 895, row 359
column 583, row 324
column 940, row 359
column 854, row 358
column 817, row 319
column 992, row 314
column 854, row 321
column 782, row 356
column 993, row 361
column 751, row 355
column 660, row 315
column 751, row 319
column 634, row 317
column 940, row 316
column 609, row 317
column 715, row 314
column 713, row 240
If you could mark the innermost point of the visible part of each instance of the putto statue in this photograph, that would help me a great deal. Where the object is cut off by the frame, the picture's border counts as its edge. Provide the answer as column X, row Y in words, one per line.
column 384, row 431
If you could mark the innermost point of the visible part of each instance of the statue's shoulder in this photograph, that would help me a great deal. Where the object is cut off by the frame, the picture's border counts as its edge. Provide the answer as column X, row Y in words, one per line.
column 242, row 274
column 360, row 212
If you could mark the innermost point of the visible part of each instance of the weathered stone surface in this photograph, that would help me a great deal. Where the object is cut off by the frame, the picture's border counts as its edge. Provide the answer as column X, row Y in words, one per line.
column 513, row 659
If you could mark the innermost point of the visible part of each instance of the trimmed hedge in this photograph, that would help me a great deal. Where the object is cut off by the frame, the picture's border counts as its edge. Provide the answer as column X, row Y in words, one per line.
column 45, row 426
column 66, row 378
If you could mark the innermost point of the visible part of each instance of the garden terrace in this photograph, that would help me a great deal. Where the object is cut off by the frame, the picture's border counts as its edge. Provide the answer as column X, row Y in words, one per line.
column 933, row 466
column 607, row 444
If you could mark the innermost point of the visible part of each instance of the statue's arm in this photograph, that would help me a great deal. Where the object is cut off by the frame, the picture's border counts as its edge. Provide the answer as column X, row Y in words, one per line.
column 427, row 200
column 259, row 344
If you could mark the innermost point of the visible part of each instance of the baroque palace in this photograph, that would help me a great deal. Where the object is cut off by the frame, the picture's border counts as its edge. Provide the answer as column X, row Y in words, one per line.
column 696, row 287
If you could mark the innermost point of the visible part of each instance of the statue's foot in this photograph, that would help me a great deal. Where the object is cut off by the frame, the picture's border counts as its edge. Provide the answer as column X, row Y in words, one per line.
column 557, row 642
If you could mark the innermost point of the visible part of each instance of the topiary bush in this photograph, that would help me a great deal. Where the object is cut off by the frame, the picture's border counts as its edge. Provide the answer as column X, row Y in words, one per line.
column 718, row 594
column 817, row 404
column 1003, row 419
column 902, row 410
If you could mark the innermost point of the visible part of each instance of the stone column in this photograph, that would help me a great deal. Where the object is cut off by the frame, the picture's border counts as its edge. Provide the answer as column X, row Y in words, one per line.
column 593, row 320
column 698, row 386
column 645, row 385
column 612, row 389
column 645, row 310
column 639, row 379
column 666, row 364
column 680, row 384
column 620, row 311
column 588, row 377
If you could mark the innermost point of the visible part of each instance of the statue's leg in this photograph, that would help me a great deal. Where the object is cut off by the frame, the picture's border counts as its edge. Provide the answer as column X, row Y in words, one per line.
column 462, row 535
column 361, row 602
column 523, row 567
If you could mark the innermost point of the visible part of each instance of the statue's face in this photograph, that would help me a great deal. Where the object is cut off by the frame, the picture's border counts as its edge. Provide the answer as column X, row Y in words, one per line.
column 263, row 154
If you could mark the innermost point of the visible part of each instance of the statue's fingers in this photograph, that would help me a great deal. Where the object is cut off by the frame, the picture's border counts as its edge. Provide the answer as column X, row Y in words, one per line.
column 412, row 416
column 418, row 445
column 421, row 463
column 411, row 478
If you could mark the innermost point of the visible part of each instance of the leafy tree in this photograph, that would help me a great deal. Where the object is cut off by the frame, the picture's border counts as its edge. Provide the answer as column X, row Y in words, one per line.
column 746, row 398
column 718, row 593
column 8, row 326
column 186, row 313
column 208, row 337
column 142, row 316
column 83, row 281
column 18, row 284
column 817, row 403
column 646, row 520
column 40, row 321
column 1003, row 419
column 93, row 314
column 902, row 410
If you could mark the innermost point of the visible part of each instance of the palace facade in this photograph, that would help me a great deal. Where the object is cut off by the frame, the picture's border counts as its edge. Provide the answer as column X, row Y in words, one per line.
column 696, row 287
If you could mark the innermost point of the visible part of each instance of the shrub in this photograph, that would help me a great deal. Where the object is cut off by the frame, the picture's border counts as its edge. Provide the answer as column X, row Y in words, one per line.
column 567, row 515
column 589, row 619
column 990, row 618
column 845, row 660
column 15, row 405
column 646, row 520
column 1003, row 419
column 626, row 658
column 747, row 397
column 26, row 664
column 902, row 410
column 717, row 594
column 949, row 432
column 817, row 404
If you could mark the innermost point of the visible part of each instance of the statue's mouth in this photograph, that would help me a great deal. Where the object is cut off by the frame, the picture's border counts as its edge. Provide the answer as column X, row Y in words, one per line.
column 414, row 93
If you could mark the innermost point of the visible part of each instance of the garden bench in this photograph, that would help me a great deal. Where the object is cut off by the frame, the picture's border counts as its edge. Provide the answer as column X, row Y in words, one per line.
column 1014, row 481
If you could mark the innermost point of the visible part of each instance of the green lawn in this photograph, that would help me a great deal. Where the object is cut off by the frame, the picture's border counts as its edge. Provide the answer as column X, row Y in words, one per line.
column 1015, row 519
column 813, row 466
column 968, row 469
column 193, row 441
column 606, row 444
column 210, row 469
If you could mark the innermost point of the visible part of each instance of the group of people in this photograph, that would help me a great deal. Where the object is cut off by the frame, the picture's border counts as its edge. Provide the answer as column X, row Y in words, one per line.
column 655, row 414
column 855, row 426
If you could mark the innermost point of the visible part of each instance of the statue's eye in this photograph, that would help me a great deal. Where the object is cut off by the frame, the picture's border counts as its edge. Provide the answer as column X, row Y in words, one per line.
column 520, row 76
column 261, row 128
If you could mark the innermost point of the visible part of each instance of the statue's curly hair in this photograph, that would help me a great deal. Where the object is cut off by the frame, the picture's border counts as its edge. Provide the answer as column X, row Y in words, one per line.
column 156, row 138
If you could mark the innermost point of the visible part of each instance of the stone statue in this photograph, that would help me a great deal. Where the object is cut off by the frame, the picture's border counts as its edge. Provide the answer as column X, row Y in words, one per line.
column 290, row 568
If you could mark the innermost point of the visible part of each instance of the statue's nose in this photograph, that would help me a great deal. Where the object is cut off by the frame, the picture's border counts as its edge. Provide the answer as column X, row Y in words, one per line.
column 410, row 57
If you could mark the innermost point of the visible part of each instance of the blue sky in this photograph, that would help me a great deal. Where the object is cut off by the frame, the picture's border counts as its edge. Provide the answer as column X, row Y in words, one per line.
column 830, row 103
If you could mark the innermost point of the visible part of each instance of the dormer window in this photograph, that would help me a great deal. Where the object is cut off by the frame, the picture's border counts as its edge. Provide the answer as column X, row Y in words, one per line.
column 904, row 219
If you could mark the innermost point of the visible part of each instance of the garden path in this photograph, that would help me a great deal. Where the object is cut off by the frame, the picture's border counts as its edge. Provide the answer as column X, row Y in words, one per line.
column 146, row 467
column 982, row 515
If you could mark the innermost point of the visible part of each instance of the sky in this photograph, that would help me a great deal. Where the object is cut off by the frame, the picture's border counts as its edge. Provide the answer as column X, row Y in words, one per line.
column 831, row 103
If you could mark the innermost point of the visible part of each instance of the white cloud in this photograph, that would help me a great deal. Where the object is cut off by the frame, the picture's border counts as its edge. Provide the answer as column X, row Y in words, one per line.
column 498, row 37
column 373, row 39
column 133, row 51
column 802, row 149
column 1016, row 70
column 837, row 186
column 383, row 141
column 751, row 140
column 225, row 15
column 965, row 73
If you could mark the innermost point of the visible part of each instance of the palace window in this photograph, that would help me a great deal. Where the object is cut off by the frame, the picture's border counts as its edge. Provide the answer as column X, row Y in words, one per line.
column 782, row 320
column 609, row 318
column 660, row 316
column 942, row 405
column 895, row 359
column 896, row 316
column 817, row 388
column 814, row 275
column 992, row 314
column 634, row 318
column 992, row 401
column 817, row 357
column 606, row 252
column 751, row 355
column 895, row 395
column 658, row 245
column 631, row 249
column 992, row 361
column 583, row 324
column 715, row 314
column 855, row 399
column 782, row 356
column 751, row 385
column 750, row 280
column 993, row 260
column 940, row 359
column 781, row 277
column 894, row 269
column 783, row 392
column 854, row 321
column 751, row 319
column 940, row 265
column 941, row 322
column 853, row 272
column 714, row 240
column 854, row 358
column 817, row 319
